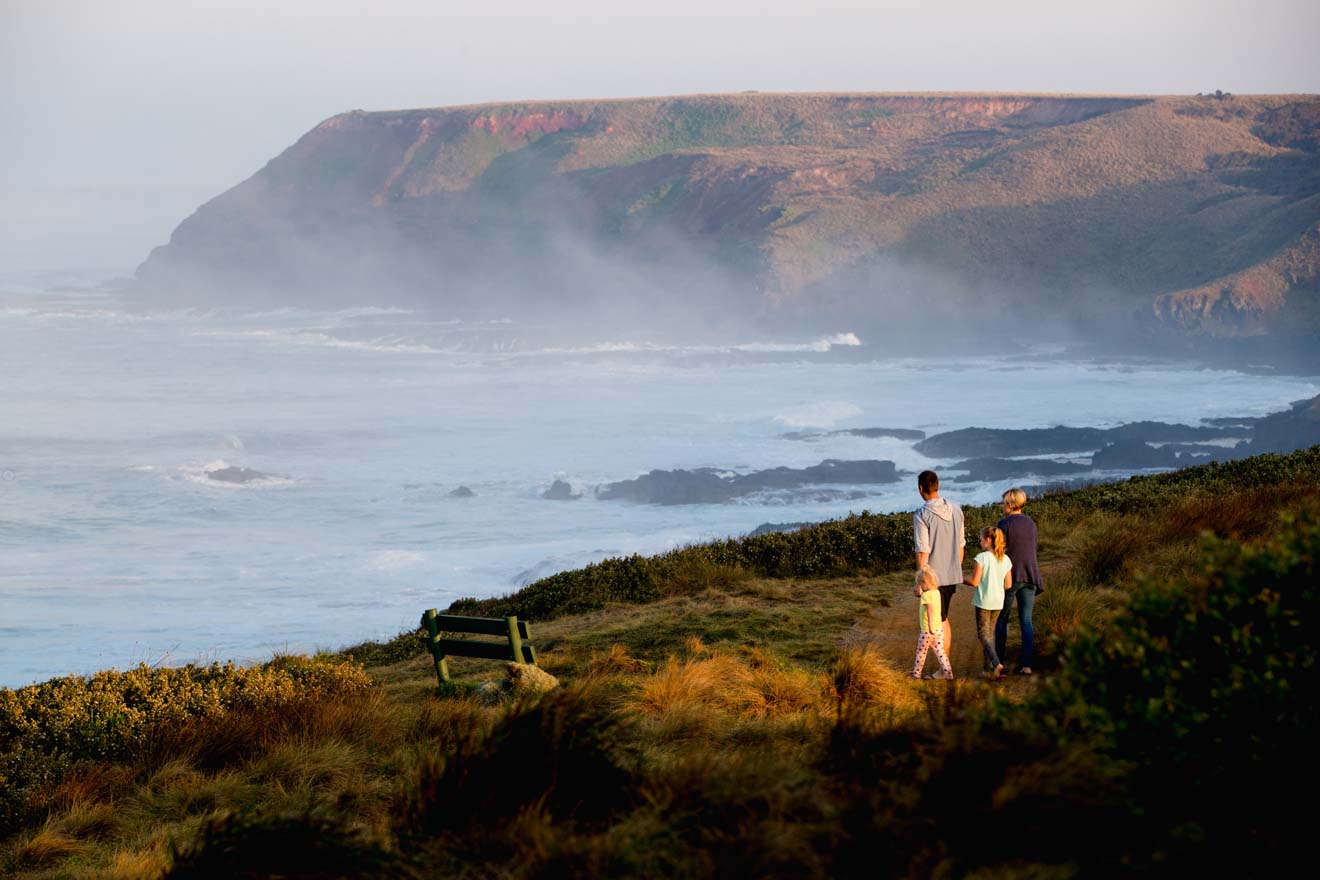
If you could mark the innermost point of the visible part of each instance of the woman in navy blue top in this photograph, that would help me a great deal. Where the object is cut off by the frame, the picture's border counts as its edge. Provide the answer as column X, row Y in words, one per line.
column 1020, row 535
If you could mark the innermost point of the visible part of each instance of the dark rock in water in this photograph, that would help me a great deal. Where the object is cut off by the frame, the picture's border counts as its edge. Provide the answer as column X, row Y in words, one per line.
column 560, row 491
column 808, row 495
column 462, row 492
column 1133, row 454
column 774, row 528
column 1295, row 428
column 672, row 487
column 983, row 470
column 832, row 470
column 896, row 433
column 1164, row 432
column 1003, row 442
column 238, row 475
column 1007, row 442
column 707, row 486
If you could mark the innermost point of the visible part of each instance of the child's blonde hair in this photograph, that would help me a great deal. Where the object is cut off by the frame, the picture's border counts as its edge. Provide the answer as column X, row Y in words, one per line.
column 997, row 543
column 1015, row 499
column 926, row 577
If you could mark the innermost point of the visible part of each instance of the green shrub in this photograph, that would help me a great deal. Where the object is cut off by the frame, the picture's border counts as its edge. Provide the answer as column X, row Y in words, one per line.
column 45, row 728
column 404, row 646
column 1202, row 686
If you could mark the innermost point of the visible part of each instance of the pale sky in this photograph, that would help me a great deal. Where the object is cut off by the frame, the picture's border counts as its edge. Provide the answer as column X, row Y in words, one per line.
column 117, row 119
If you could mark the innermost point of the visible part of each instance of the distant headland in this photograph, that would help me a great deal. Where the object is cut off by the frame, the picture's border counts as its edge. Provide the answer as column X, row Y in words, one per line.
column 1177, row 217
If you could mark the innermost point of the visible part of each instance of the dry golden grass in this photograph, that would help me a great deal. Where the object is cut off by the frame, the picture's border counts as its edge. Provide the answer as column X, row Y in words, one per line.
column 616, row 661
column 134, row 865
column 863, row 678
column 47, row 844
column 713, row 681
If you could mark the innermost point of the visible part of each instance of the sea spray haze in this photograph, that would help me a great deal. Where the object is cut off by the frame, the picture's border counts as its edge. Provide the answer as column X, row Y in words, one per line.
column 1135, row 220
column 344, row 435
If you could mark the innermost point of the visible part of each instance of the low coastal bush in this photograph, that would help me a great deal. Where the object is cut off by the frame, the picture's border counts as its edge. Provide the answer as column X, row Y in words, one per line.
column 404, row 646
column 46, row 728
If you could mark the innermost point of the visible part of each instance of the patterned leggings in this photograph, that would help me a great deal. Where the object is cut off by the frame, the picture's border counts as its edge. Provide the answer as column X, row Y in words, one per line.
column 925, row 642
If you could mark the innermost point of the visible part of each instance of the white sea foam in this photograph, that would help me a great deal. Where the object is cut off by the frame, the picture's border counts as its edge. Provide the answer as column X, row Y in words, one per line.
column 825, row 343
column 821, row 414
column 311, row 338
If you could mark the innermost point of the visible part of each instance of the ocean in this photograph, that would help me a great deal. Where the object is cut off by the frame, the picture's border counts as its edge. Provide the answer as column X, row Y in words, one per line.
column 117, row 546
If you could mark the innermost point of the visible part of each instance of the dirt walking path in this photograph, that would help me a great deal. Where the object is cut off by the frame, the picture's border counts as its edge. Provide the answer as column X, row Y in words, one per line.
column 892, row 627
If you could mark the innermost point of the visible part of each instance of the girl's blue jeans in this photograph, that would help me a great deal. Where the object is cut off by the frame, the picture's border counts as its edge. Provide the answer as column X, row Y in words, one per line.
column 1025, row 597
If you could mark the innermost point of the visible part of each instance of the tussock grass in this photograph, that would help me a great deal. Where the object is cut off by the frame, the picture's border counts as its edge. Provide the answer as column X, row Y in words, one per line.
column 863, row 680
column 132, row 865
column 1069, row 606
column 35, row 849
column 716, row 682
column 1107, row 546
column 616, row 661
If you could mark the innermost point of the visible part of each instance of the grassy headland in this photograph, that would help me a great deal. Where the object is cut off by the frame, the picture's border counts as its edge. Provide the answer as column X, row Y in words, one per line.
column 739, row 707
column 1192, row 212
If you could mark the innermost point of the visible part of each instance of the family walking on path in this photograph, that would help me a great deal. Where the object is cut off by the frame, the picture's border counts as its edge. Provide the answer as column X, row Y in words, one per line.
column 1005, row 572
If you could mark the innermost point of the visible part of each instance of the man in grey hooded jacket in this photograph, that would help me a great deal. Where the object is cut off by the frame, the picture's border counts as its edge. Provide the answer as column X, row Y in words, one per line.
column 939, row 540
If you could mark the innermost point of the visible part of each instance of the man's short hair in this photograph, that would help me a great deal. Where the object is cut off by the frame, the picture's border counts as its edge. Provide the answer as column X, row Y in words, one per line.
column 928, row 481
column 1015, row 499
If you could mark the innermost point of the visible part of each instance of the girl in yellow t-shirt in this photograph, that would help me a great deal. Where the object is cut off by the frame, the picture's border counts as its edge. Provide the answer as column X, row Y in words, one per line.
column 928, row 620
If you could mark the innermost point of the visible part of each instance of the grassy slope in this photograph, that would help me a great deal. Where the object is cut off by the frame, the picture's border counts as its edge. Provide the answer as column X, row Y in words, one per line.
column 726, row 699
column 1115, row 200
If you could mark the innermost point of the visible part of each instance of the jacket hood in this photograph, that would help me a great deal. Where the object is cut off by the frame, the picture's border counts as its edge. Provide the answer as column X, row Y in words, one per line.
column 941, row 508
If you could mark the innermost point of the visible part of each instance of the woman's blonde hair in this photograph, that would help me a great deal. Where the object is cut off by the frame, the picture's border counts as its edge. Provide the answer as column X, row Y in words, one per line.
column 1015, row 499
column 997, row 543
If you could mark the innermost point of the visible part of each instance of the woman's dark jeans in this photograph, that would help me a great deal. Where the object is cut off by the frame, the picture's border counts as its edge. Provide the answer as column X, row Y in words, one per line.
column 1025, row 595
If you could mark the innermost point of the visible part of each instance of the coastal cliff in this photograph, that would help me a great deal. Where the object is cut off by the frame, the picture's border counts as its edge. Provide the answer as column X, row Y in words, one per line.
column 1196, row 214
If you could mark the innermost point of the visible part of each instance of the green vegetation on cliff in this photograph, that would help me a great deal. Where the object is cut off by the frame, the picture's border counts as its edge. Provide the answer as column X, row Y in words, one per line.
column 1200, row 213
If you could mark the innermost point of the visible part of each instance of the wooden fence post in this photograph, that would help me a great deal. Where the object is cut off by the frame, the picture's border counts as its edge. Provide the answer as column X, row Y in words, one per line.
column 432, row 645
column 515, row 641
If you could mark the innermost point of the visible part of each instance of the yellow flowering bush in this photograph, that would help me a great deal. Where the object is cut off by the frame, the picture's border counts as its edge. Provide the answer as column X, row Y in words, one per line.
column 45, row 727
column 105, row 715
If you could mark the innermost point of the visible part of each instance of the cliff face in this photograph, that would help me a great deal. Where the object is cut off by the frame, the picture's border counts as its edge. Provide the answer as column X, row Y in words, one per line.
column 1197, row 213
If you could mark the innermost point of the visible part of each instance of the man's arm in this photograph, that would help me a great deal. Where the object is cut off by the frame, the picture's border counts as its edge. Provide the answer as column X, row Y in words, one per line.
column 920, row 540
column 962, row 545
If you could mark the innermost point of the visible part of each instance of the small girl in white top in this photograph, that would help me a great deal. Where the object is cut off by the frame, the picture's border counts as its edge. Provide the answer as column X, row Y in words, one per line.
column 991, row 578
column 931, row 635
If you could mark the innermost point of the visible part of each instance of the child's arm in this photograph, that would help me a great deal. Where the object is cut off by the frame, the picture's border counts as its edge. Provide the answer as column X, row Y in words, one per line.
column 975, row 579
